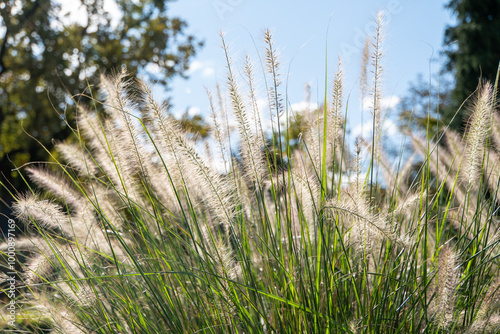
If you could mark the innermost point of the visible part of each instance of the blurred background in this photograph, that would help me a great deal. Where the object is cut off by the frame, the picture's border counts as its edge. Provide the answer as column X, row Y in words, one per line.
column 53, row 51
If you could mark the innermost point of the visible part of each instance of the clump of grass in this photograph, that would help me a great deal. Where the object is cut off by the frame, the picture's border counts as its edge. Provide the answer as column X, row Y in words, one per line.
column 142, row 234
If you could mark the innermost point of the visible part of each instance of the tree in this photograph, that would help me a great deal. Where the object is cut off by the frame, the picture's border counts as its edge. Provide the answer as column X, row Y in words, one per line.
column 426, row 99
column 473, row 50
column 195, row 126
column 46, row 60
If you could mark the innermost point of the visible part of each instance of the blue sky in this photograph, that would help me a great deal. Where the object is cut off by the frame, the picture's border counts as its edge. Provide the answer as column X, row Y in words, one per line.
column 413, row 35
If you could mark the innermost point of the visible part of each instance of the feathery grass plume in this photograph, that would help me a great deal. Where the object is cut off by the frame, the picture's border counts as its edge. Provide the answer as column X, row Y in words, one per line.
column 25, row 244
column 43, row 213
column 489, row 325
column 107, row 150
column 52, row 256
column 272, row 63
column 162, row 127
column 495, row 130
column 362, row 234
column 37, row 252
column 367, row 227
column 336, row 119
column 363, row 78
column 217, row 130
column 376, row 91
column 91, row 236
column 218, row 253
column 352, row 203
column 492, row 173
column 126, row 166
column 217, row 191
column 253, row 98
column 453, row 157
column 448, row 279
column 47, row 216
column 312, row 142
column 456, row 147
column 77, row 158
column 93, row 130
column 450, row 158
column 491, row 300
column 38, row 268
column 442, row 165
column 244, row 196
column 122, row 109
column 306, row 191
column 74, row 287
column 107, row 204
column 377, row 71
column 390, row 175
column 477, row 132
column 408, row 204
column 358, row 183
column 222, row 103
column 63, row 320
column 129, row 156
column 31, row 316
column 403, row 217
column 56, row 185
column 250, row 147
column 307, row 90
column 67, row 323
column 452, row 162
column 165, row 192
column 310, row 138
column 303, row 205
column 209, row 154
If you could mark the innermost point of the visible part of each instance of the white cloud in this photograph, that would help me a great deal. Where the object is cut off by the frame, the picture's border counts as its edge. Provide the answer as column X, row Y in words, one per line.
column 193, row 111
column 208, row 72
column 389, row 128
column 262, row 104
column 205, row 68
column 195, row 66
column 386, row 102
column 304, row 105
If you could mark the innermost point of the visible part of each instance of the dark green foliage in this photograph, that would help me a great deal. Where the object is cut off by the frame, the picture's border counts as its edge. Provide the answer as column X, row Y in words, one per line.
column 44, row 62
column 424, row 103
column 473, row 50
column 195, row 125
column 472, row 54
